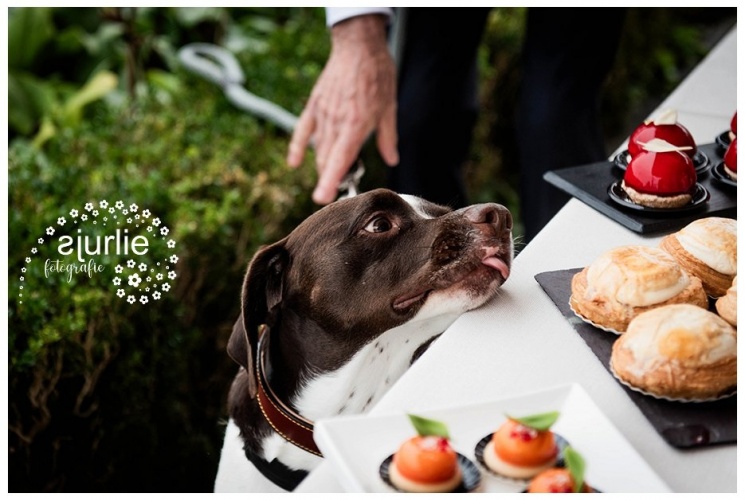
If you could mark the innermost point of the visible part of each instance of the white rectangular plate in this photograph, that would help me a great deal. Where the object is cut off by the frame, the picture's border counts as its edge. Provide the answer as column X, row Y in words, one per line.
column 357, row 445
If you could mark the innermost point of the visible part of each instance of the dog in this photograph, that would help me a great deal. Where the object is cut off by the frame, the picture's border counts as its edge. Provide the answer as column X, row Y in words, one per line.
column 333, row 314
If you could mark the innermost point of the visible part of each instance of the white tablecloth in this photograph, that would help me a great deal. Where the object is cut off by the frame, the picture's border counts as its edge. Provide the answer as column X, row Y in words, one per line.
column 521, row 343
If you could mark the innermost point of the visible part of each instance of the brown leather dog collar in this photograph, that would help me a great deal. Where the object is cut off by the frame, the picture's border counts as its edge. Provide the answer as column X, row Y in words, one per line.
column 283, row 419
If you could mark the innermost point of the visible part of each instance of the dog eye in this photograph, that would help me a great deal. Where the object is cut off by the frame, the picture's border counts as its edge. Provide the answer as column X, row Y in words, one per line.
column 379, row 225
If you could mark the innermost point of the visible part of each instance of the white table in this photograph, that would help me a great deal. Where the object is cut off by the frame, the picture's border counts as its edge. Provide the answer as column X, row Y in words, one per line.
column 520, row 342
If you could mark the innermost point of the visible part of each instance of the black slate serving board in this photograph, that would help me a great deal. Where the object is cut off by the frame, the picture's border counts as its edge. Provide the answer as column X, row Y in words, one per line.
column 590, row 183
column 683, row 425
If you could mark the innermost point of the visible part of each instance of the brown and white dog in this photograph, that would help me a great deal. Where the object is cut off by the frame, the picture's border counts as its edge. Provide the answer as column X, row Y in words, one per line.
column 333, row 314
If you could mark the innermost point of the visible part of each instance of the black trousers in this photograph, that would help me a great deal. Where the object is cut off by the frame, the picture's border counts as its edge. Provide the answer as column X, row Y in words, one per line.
column 565, row 61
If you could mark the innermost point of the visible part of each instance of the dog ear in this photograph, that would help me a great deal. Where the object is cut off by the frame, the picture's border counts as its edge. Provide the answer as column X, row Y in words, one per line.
column 262, row 293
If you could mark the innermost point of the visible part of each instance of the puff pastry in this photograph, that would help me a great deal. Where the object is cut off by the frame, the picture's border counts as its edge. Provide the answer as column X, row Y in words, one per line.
column 626, row 281
column 726, row 305
column 678, row 351
column 707, row 248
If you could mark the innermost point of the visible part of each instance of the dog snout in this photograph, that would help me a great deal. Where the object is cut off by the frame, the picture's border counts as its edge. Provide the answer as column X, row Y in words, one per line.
column 490, row 213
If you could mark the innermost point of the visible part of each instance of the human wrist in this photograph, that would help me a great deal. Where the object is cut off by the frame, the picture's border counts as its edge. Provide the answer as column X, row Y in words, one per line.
column 365, row 31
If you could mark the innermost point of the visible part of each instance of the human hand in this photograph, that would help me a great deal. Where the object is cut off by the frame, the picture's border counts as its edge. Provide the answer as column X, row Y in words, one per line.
column 355, row 94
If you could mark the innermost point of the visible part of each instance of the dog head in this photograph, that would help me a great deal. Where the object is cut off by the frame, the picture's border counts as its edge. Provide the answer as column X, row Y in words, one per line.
column 362, row 266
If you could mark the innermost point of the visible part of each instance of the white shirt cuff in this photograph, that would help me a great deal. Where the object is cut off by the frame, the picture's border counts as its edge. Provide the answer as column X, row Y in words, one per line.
column 338, row 14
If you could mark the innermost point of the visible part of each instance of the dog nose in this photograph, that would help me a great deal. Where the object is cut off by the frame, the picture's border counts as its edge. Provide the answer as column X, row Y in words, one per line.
column 490, row 213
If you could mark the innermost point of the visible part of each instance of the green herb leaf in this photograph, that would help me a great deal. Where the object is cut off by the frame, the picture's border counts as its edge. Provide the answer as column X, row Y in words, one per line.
column 576, row 465
column 427, row 427
column 539, row 422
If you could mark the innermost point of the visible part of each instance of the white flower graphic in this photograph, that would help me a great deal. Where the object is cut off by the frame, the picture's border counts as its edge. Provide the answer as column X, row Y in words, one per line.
column 23, row 269
column 164, row 231
column 129, row 221
column 89, row 206
column 159, row 276
column 73, row 213
column 156, row 221
column 134, row 280
column 61, row 221
column 118, row 269
column 142, row 267
column 34, row 250
column 103, row 204
column 84, row 217
column 95, row 213
column 146, row 213
column 28, row 260
column 149, row 279
column 171, row 244
column 143, row 299
column 156, row 295
column 40, row 241
column 131, row 299
column 119, row 204
column 111, row 210
column 131, row 263
column 172, row 275
column 149, row 229
column 50, row 230
column 174, row 259
column 137, row 216
column 133, row 208
column 166, row 287
column 117, row 281
column 120, row 293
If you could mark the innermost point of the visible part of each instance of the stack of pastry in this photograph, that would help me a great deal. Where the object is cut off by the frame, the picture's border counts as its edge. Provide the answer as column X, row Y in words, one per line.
column 678, row 352
column 707, row 249
column 627, row 281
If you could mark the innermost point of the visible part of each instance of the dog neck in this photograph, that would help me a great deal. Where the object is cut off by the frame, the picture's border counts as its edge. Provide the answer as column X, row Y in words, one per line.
column 355, row 386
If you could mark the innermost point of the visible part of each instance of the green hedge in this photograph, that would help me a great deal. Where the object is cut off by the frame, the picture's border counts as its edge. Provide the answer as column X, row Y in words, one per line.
column 105, row 396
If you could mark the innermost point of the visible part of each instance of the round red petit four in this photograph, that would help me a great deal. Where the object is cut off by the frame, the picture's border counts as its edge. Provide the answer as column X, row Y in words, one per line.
column 569, row 479
column 520, row 451
column 660, row 177
column 425, row 464
column 555, row 480
column 730, row 160
column 665, row 127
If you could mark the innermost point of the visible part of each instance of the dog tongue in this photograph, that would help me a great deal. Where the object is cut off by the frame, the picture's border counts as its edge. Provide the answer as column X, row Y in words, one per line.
column 498, row 264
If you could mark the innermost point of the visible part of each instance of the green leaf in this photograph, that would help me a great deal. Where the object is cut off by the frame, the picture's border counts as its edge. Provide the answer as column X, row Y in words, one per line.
column 427, row 427
column 539, row 422
column 576, row 465
column 98, row 86
column 29, row 29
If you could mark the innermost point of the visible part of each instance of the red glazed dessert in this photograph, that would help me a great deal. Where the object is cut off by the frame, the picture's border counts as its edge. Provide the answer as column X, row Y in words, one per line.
column 425, row 464
column 665, row 127
column 567, row 479
column 519, row 451
column 556, row 480
column 660, row 177
column 730, row 160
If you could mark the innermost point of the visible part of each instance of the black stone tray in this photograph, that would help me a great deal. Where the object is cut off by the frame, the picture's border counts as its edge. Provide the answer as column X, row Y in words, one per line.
column 683, row 425
column 589, row 184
